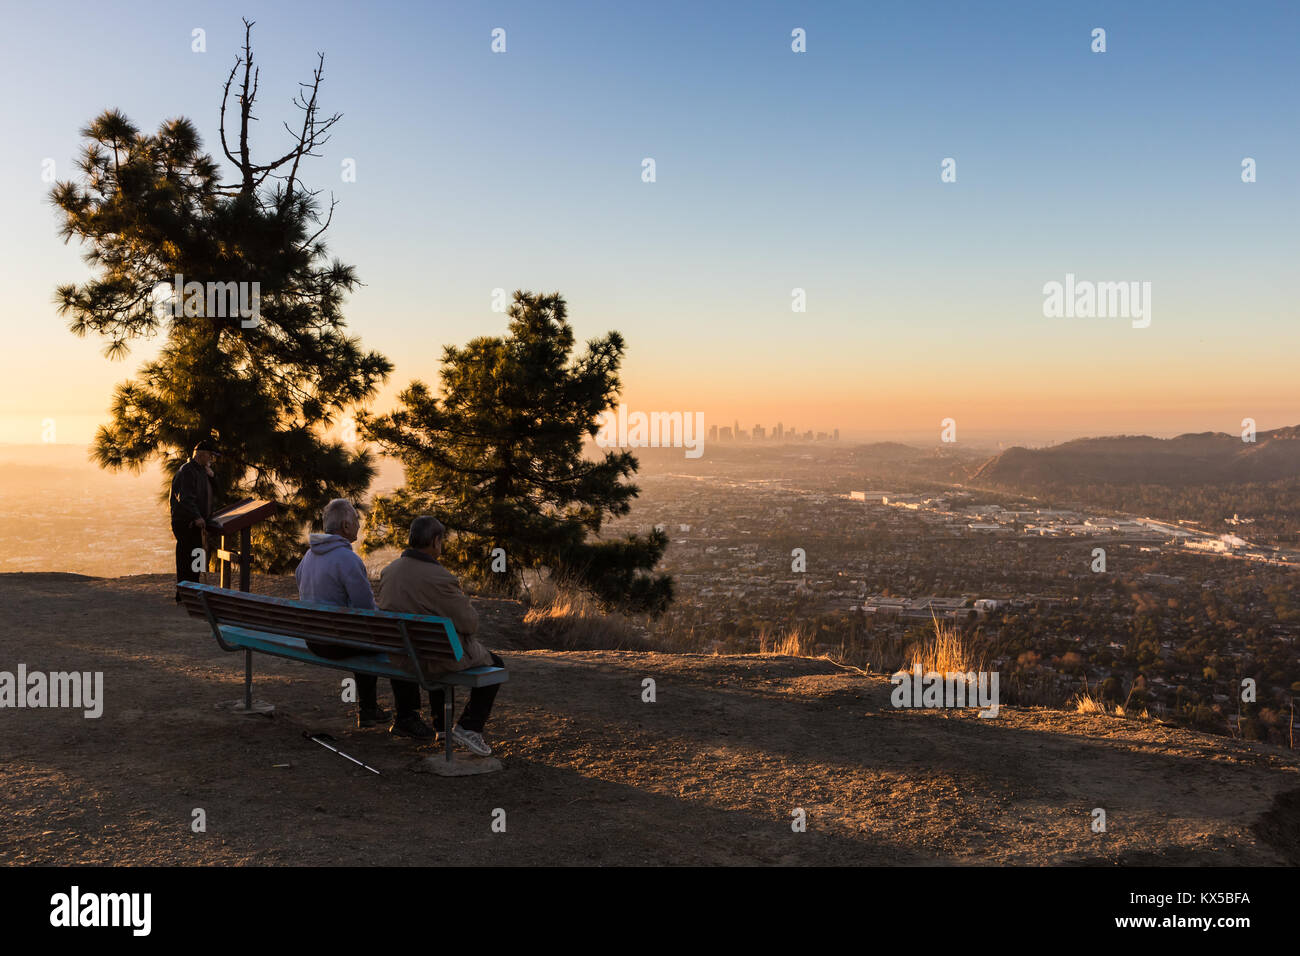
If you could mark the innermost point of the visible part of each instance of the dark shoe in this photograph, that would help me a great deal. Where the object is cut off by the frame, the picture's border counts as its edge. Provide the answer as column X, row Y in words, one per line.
column 411, row 726
column 372, row 718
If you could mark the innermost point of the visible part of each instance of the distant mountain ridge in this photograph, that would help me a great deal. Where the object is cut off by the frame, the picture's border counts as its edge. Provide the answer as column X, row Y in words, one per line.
column 1203, row 458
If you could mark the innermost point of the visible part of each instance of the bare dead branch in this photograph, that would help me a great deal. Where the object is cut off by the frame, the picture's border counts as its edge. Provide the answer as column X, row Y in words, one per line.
column 312, row 135
column 328, row 219
column 225, row 94
column 246, row 107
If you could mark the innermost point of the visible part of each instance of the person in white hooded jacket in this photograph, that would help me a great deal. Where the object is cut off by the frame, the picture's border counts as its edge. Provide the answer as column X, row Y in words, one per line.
column 332, row 573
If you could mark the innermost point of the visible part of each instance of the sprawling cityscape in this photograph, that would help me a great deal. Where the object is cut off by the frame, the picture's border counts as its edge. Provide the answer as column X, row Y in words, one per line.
column 1158, row 612
column 1148, row 613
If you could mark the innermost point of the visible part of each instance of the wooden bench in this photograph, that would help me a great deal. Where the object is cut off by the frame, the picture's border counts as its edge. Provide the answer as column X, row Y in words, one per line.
column 413, row 647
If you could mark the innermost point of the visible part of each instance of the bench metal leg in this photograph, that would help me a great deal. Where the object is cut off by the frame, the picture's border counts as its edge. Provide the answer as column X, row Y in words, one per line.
column 246, row 705
column 448, row 708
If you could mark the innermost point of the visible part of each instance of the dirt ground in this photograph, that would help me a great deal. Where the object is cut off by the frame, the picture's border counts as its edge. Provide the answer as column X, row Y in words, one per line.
column 709, row 773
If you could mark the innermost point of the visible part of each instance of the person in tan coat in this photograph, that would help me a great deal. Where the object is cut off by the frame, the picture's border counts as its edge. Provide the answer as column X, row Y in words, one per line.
column 417, row 584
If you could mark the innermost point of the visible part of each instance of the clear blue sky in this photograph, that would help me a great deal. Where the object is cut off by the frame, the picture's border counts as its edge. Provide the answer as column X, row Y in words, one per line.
column 775, row 170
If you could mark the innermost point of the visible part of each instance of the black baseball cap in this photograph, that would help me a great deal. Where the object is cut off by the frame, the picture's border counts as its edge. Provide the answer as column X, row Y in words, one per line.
column 207, row 445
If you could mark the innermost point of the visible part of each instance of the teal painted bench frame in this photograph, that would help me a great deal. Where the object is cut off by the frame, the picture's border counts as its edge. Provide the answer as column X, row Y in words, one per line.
column 229, row 613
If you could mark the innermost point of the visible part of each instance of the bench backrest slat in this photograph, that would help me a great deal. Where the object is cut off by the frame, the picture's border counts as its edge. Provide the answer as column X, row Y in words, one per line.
column 434, row 638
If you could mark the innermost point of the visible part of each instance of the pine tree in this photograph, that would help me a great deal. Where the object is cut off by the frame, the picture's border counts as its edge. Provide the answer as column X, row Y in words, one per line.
column 267, row 386
column 498, row 458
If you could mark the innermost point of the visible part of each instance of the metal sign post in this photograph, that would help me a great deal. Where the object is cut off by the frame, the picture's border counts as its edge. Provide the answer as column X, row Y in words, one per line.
column 238, row 519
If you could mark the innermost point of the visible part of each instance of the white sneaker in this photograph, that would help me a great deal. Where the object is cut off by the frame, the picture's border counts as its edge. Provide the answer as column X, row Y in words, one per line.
column 471, row 740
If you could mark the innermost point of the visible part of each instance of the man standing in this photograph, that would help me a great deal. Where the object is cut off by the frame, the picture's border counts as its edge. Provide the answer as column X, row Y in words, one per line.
column 417, row 584
column 191, row 500
column 332, row 573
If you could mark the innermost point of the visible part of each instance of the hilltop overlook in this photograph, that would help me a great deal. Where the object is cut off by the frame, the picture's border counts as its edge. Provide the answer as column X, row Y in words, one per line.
column 707, row 774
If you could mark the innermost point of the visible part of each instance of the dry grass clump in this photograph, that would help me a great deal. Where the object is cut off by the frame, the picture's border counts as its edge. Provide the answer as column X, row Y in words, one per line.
column 946, row 650
column 1087, row 702
column 796, row 641
column 566, row 618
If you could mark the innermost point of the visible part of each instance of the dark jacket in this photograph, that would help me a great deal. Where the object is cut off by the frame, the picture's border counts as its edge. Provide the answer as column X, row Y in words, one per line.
column 192, row 494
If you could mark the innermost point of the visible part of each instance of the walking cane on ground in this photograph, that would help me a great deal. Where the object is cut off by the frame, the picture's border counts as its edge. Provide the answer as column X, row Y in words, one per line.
column 321, row 738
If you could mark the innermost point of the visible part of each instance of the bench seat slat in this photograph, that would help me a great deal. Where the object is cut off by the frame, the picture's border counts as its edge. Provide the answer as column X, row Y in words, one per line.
column 381, row 665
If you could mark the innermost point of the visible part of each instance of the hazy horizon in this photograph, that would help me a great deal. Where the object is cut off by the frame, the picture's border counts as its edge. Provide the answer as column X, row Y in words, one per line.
column 970, row 440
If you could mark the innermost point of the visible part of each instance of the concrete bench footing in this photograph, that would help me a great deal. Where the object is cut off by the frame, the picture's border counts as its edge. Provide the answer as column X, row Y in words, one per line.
column 457, row 766
column 260, row 708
